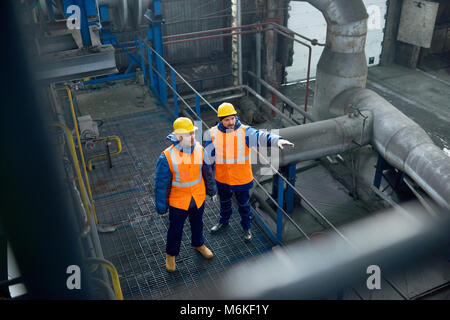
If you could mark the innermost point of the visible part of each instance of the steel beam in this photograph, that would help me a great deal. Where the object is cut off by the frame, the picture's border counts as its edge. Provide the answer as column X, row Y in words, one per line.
column 76, row 64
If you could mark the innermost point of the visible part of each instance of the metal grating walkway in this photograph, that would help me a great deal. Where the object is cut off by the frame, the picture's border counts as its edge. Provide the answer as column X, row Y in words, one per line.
column 124, row 197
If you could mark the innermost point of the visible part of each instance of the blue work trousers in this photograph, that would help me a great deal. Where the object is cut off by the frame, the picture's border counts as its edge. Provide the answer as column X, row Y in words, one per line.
column 226, row 209
column 177, row 217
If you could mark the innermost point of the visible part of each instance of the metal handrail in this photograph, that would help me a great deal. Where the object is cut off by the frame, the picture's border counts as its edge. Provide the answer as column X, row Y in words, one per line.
column 119, row 150
column 273, row 168
column 113, row 272
column 259, row 27
column 84, row 196
column 282, row 210
column 307, row 202
column 291, row 35
column 189, row 107
column 75, row 124
column 177, row 73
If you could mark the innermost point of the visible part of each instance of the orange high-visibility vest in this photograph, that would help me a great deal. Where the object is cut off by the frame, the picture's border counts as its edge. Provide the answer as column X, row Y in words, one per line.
column 187, row 179
column 232, row 158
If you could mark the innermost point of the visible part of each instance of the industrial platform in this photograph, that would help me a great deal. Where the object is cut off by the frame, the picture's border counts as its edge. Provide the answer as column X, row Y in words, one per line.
column 124, row 194
column 124, row 197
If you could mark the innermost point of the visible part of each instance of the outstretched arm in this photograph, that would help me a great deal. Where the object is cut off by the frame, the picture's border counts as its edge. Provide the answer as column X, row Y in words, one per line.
column 255, row 137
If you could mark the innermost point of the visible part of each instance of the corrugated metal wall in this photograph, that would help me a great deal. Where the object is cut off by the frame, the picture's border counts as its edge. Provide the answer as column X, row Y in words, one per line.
column 206, row 58
column 183, row 16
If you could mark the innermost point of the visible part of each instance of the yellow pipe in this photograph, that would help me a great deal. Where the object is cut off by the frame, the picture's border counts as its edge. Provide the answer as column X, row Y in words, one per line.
column 78, row 173
column 110, row 267
column 113, row 272
column 119, row 150
column 35, row 15
column 75, row 123
column 115, row 280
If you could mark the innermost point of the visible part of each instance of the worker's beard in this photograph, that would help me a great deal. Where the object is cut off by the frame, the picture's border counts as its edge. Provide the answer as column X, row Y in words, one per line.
column 186, row 142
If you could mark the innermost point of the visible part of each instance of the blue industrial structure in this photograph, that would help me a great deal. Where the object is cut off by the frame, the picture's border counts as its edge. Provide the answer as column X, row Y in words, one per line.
column 154, row 79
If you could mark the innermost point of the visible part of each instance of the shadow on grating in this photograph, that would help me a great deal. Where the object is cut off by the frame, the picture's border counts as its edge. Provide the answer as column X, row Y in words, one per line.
column 123, row 197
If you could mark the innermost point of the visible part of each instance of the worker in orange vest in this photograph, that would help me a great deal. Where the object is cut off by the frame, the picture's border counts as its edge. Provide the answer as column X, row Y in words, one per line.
column 182, row 180
column 229, row 144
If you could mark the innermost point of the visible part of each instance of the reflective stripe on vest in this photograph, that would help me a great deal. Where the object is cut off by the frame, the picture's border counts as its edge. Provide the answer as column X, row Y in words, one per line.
column 240, row 148
column 187, row 180
column 177, row 182
column 236, row 168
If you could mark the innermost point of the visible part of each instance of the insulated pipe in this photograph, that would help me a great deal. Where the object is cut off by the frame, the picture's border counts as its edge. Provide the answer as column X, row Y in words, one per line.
column 270, row 43
column 258, row 61
column 341, row 77
column 327, row 137
column 236, row 49
column 401, row 142
column 343, row 62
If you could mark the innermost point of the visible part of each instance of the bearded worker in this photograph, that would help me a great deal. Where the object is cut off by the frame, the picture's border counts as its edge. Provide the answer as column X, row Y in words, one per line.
column 229, row 144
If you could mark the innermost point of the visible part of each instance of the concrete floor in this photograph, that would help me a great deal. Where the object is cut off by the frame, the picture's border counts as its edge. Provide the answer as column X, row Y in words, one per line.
column 115, row 99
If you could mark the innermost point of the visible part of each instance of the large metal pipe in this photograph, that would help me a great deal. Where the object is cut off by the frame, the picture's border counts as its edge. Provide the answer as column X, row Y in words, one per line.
column 270, row 43
column 327, row 137
column 401, row 141
column 258, row 61
column 343, row 62
column 236, row 42
column 340, row 79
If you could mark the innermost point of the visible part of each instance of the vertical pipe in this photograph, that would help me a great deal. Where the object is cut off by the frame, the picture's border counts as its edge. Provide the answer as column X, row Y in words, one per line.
column 274, row 102
column 175, row 97
column 342, row 64
column 85, row 34
column 235, row 43
column 141, row 58
column 197, row 105
column 51, row 10
column 279, row 212
column 270, row 42
column 307, row 82
column 157, row 37
column 290, row 191
column 258, row 62
column 275, row 186
column 379, row 172
column 239, row 37
column 150, row 60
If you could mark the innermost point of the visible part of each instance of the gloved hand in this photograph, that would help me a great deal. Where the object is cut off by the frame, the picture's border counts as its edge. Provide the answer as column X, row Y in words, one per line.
column 215, row 198
column 282, row 142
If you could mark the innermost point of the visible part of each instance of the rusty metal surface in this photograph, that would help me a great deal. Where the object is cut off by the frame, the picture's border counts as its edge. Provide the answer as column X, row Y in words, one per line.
column 417, row 22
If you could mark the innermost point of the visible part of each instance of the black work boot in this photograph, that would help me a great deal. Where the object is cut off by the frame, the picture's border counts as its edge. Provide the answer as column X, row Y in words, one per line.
column 218, row 227
column 248, row 235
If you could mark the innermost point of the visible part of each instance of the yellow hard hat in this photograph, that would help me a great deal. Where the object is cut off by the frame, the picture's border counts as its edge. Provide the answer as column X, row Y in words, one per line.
column 225, row 109
column 183, row 125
